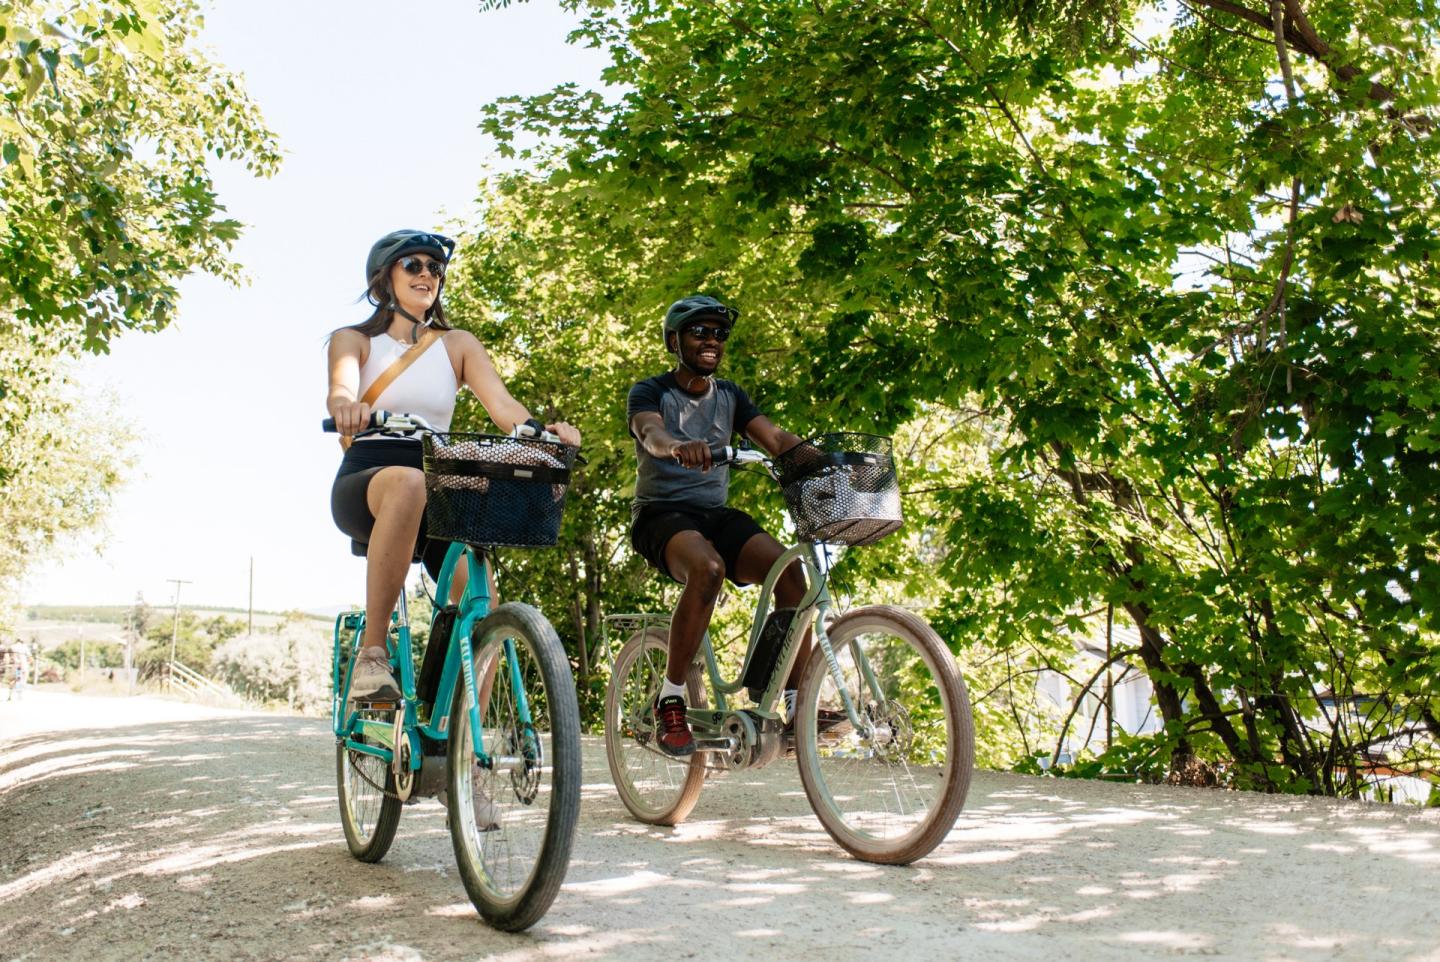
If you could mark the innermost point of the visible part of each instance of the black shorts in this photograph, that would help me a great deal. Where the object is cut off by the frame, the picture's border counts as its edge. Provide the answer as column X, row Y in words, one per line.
column 350, row 508
column 726, row 528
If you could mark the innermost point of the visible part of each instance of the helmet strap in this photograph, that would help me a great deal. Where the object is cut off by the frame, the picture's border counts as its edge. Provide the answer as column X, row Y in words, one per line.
column 684, row 365
column 415, row 323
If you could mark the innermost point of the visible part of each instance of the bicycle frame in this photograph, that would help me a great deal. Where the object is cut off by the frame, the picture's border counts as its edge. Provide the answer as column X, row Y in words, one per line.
column 812, row 608
column 459, row 665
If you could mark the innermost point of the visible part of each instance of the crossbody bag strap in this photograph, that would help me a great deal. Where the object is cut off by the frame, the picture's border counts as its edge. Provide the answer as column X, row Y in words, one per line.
column 397, row 367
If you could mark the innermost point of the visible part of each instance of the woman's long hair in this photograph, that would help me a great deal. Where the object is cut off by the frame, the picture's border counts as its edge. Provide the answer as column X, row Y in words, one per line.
column 382, row 296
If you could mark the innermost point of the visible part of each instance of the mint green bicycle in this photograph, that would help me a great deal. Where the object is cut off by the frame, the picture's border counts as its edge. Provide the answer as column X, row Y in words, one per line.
column 882, row 730
column 490, row 724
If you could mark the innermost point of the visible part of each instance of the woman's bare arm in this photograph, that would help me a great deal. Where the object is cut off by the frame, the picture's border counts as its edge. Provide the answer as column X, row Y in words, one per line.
column 347, row 354
column 477, row 372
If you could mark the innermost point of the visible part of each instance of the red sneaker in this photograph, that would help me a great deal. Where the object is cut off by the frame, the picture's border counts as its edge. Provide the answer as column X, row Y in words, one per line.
column 674, row 738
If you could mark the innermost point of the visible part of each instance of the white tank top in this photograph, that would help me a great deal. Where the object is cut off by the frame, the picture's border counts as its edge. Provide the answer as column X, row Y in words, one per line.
column 427, row 387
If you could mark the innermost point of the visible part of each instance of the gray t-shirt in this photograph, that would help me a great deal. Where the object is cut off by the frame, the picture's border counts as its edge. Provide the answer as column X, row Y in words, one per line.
column 713, row 417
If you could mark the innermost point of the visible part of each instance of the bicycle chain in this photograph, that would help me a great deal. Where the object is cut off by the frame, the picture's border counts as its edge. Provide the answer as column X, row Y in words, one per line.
column 366, row 778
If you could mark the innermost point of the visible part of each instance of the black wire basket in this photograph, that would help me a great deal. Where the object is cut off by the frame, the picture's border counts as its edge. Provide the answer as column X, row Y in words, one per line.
column 841, row 488
column 496, row 491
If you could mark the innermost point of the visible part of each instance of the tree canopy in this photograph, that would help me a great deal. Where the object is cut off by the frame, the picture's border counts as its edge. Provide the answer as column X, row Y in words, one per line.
column 1154, row 299
column 110, row 120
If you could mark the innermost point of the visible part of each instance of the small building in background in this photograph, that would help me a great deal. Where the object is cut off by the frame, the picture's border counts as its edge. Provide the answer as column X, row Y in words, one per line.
column 1120, row 700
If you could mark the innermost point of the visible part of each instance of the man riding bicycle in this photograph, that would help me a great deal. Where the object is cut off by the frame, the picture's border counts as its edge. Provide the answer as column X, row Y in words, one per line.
column 680, row 522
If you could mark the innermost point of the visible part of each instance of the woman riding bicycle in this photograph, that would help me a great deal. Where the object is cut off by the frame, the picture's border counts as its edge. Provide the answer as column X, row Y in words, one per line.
column 378, row 497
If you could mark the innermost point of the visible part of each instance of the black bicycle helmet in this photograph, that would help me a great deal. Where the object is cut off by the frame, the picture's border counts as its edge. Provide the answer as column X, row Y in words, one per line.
column 692, row 308
column 398, row 243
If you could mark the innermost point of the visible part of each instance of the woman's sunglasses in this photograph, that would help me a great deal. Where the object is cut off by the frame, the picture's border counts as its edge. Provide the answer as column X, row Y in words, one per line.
column 414, row 265
column 703, row 332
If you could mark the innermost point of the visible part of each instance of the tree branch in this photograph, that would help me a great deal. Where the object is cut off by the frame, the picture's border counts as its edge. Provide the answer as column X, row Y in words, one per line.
column 1080, row 698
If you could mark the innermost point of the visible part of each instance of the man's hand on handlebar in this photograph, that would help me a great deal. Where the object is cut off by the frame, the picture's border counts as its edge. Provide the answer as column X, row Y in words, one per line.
column 692, row 454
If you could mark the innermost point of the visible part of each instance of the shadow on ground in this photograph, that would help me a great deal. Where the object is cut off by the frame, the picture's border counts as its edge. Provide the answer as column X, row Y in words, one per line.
column 219, row 839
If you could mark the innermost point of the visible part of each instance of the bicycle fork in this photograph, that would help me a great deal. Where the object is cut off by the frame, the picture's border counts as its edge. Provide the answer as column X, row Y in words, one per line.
column 528, row 745
column 820, row 558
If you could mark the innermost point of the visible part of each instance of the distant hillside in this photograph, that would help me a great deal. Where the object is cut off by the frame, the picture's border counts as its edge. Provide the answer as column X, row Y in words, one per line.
column 47, row 626
column 117, row 614
column 90, row 614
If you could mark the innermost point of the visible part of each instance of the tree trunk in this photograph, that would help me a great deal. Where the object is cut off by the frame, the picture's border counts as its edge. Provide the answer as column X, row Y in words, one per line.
column 577, row 616
column 594, row 582
column 1152, row 648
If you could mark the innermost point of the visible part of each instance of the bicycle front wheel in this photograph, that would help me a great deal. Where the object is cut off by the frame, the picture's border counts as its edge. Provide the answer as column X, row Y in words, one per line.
column 513, row 814
column 369, row 807
column 890, row 790
column 657, row 788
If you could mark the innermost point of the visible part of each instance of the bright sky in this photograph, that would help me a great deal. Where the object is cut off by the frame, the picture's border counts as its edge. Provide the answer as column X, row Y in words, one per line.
column 376, row 106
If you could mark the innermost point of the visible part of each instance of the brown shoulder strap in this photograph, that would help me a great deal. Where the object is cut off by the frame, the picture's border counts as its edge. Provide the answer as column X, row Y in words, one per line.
column 396, row 368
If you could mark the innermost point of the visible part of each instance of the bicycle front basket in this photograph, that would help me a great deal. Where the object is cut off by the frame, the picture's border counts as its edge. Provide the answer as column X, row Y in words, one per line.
column 486, row 489
column 841, row 488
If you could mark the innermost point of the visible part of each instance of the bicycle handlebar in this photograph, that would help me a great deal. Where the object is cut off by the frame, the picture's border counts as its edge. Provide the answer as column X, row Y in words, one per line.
column 377, row 418
column 390, row 422
column 725, row 454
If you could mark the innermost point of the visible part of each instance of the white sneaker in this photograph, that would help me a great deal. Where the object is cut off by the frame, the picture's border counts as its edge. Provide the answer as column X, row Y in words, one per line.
column 371, row 678
column 487, row 813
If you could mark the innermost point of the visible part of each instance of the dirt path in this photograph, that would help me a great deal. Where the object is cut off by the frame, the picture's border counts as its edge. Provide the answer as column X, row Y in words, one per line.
column 188, row 833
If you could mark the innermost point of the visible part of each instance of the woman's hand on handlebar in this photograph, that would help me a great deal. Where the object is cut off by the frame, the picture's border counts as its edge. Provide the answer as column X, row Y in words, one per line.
column 566, row 432
column 692, row 454
column 351, row 417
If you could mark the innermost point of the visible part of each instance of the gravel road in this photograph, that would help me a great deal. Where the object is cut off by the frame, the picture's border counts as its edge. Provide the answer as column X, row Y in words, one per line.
column 181, row 832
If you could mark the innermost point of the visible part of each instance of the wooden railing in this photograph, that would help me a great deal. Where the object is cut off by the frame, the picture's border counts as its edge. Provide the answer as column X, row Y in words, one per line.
column 189, row 682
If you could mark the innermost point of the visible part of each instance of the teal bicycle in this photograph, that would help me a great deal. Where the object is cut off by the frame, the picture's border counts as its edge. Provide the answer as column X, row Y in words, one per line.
column 489, row 724
column 881, row 731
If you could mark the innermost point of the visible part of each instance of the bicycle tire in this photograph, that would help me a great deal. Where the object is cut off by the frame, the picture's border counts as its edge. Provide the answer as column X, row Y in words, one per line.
column 368, row 815
column 890, row 792
column 657, row 788
column 513, row 870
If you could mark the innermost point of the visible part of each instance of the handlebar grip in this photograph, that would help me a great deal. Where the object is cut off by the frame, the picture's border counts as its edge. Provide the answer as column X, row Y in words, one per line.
column 377, row 418
column 720, row 453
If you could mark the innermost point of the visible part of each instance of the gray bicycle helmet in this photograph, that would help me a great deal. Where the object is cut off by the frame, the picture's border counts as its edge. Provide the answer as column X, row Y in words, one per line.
column 398, row 243
column 692, row 308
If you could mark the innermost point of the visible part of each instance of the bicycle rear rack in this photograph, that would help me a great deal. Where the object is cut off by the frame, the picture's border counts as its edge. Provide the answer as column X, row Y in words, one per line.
column 626, row 625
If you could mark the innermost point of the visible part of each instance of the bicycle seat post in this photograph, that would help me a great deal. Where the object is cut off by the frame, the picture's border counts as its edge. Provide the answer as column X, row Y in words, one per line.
column 402, row 611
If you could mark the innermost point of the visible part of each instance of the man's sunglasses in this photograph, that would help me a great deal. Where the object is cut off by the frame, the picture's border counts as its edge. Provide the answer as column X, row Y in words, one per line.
column 414, row 265
column 703, row 332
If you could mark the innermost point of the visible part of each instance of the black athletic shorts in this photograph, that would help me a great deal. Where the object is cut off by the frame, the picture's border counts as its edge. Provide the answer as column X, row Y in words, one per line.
column 348, row 505
column 726, row 528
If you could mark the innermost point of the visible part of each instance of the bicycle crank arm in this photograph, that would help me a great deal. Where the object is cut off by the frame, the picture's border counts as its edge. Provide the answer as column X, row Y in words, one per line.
column 717, row 744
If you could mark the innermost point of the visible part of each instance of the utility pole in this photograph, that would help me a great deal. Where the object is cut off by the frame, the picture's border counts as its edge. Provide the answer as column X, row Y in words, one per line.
column 174, row 630
column 130, row 652
column 250, row 629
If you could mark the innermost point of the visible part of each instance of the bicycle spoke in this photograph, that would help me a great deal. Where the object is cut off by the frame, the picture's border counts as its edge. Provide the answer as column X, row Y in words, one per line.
column 889, row 788
column 369, row 807
column 513, row 812
column 655, row 787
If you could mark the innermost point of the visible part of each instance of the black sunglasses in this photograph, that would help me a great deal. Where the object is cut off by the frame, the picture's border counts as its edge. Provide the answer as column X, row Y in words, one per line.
column 414, row 265
column 703, row 332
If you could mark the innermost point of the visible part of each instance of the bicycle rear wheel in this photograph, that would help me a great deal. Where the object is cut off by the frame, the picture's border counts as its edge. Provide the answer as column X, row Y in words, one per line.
column 369, row 808
column 512, row 823
column 657, row 788
column 890, row 791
